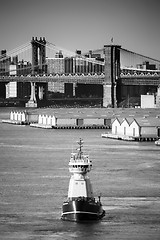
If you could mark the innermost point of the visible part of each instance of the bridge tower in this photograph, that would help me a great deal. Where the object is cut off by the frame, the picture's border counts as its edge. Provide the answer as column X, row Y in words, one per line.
column 38, row 55
column 112, row 73
column 38, row 67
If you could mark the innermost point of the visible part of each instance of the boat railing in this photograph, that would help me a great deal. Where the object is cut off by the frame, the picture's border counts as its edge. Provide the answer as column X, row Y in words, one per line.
column 82, row 161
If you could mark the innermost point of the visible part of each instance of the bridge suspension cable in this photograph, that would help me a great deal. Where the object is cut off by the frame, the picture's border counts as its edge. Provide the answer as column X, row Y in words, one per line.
column 130, row 59
column 20, row 56
column 73, row 54
column 57, row 48
column 16, row 51
column 143, row 56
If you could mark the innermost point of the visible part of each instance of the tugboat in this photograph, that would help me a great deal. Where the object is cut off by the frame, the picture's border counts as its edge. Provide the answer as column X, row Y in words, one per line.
column 81, row 205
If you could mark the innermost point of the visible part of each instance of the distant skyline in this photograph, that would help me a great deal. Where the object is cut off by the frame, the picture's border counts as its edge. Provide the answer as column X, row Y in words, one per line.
column 83, row 24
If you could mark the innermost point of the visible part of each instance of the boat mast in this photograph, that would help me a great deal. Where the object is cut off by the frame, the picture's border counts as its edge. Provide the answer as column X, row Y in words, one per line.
column 80, row 153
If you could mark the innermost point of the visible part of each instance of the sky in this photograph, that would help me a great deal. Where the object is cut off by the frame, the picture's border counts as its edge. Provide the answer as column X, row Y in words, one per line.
column 83, row 24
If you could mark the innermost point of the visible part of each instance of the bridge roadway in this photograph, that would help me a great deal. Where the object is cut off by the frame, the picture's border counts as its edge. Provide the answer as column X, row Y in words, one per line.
column 139, row 77
column 124, row 79
column 140, row 80
column 66, row 78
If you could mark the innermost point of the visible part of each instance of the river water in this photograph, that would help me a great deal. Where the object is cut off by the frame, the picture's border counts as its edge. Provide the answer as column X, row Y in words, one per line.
column 34, row 181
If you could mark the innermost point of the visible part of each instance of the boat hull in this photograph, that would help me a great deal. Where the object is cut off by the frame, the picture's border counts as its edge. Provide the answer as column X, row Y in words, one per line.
column 82, row 210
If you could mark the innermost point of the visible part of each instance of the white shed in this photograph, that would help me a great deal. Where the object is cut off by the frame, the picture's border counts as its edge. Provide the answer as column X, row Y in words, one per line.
column 121, row 126
column 136, row 127
column 125, row 126
column 45, row 119
column 116, row 124
column 18, row 116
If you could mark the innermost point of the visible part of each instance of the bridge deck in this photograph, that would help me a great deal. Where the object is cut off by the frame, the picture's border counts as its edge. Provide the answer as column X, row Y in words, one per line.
column 89, row 79
column 135, row 79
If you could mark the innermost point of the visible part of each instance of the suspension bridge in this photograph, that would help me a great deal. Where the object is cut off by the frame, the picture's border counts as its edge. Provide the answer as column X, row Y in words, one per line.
column 109, row 73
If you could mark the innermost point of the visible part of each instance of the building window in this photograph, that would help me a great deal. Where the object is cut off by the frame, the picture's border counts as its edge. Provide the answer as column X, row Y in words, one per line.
column 134, row 132
column 124, row 130
column 115, row 129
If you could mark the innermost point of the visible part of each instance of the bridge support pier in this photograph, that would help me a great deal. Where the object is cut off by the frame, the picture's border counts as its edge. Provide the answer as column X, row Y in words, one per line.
column 32, row 102
column 106, row 95
column 40, row 92
column 74, row 89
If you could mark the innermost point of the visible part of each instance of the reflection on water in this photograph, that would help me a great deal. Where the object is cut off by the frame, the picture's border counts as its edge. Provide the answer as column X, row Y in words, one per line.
column 34, row 181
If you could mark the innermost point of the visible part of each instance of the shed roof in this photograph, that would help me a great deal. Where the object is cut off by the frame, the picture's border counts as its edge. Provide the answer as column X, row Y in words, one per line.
column 141, row 121
column 75, row 113
column 105, row 113
column 148, row 122
column 128, row 119
column 122, row 119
